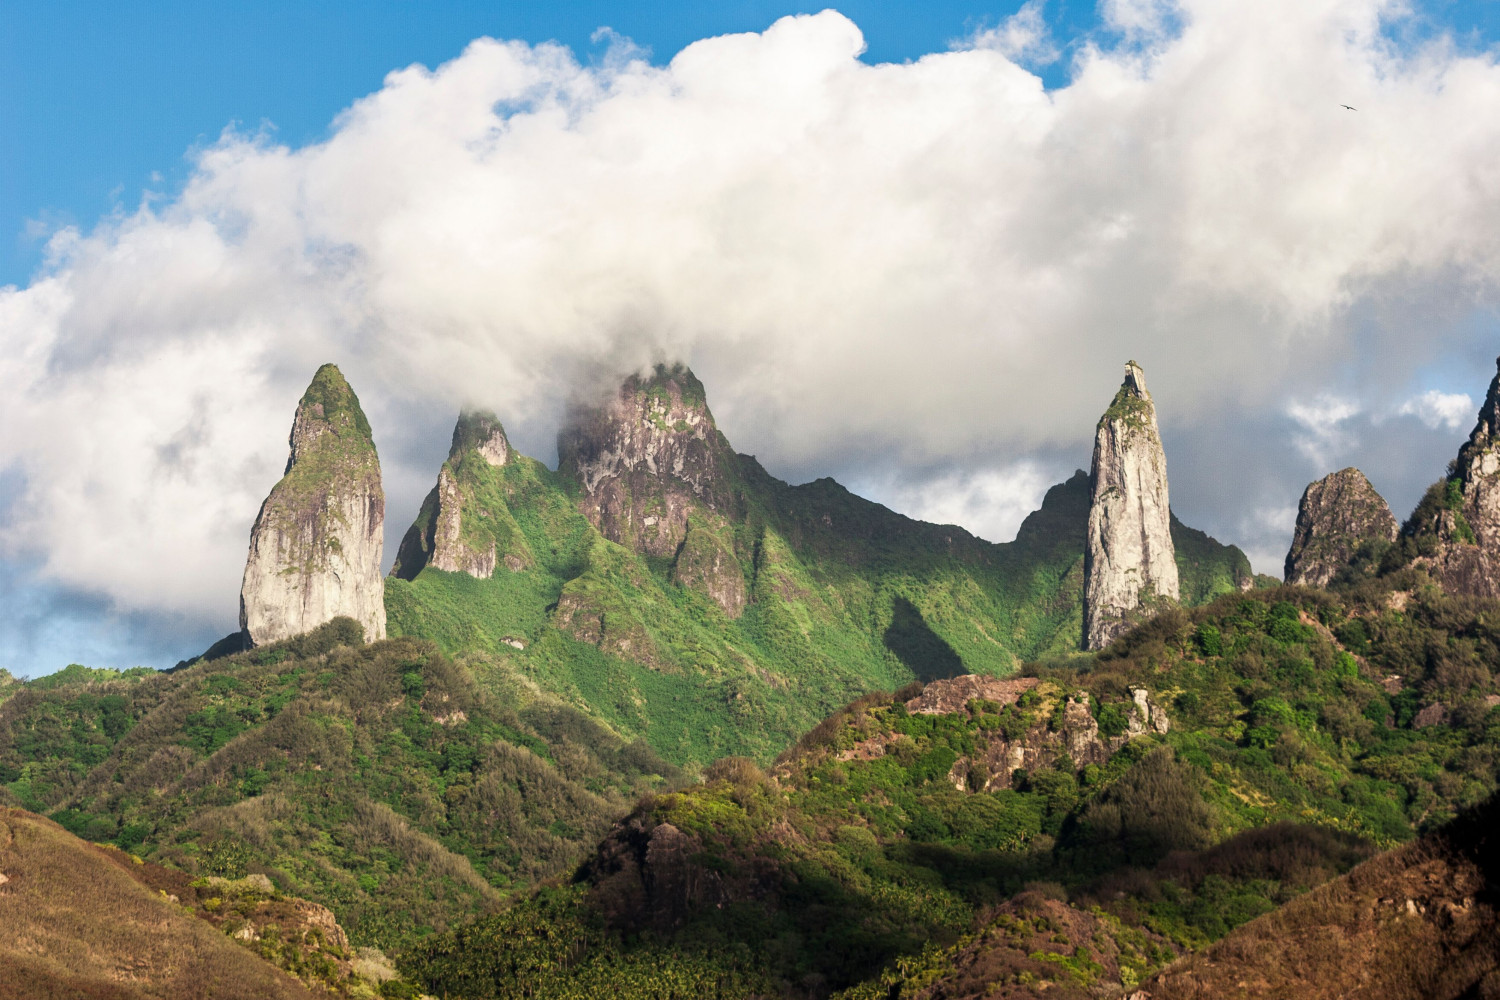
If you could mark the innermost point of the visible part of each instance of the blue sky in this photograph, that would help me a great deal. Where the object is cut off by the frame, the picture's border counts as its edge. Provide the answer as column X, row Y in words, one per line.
column 1326, row 346
column 99, row 99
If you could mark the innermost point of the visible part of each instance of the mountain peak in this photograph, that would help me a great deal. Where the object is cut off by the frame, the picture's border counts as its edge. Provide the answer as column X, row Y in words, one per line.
column 645, row 455
column 480, row 431
column 1130, row 559
column 316, row 545
column 1338, row 515
column 465, row 524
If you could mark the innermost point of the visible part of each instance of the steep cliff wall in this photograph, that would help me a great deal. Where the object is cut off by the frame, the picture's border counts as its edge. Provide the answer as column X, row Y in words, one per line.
column 1129, row 558
column 1338, row 514
column 315, row 549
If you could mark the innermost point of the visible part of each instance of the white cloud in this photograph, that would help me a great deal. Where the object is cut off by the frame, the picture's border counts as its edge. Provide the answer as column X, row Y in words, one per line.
column 1453, row 410
column 936, row 263
column 1324, row 423
column 1023, row 37
column 990, row 503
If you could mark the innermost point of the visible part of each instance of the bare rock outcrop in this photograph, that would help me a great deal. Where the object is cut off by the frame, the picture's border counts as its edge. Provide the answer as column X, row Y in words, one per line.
column 656, row 476
column 1129, row 560
column 1463, row 510
column 315, row 549
column 465, row 524
column 999, row 754
column 1338, row 514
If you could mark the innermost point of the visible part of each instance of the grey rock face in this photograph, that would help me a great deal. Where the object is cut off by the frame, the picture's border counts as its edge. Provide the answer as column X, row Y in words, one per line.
column 315, row 549
column 649, row 459
column 465, row 525
column 646, row 458
column 1338, row 514
column 1467, row 509
column 1129, row 560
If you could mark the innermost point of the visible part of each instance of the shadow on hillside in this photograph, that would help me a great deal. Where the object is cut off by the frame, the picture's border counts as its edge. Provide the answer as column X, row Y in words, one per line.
column 924, row 652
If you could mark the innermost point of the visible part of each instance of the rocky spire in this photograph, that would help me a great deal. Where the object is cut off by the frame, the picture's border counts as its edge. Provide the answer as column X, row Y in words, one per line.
column 1463, row 511
column 1129, row 558
column 655, row 475
column 1338, row 514
column 316, row 546
column 465, row 525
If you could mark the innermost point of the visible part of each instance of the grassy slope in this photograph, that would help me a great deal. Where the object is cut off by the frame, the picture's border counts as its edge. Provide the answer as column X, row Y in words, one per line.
column 846, row 597
column 400, row 788
column 80, row 925
column 842, row 867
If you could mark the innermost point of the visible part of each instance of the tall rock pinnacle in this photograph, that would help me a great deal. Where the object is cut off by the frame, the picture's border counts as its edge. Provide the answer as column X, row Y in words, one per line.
column 656, row 476
column 316, row 546
column 1338, row 514
column 1464, row 510
column 1129, row 559
column 465, row 525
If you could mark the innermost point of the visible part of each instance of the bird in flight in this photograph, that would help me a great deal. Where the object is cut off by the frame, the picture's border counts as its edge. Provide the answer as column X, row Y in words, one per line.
column 1347, row 106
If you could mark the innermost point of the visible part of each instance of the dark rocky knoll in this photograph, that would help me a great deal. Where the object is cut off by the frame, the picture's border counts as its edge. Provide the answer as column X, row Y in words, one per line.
column 1337, row 514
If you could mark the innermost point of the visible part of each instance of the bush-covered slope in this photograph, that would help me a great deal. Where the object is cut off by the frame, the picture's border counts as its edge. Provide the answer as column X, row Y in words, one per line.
column 1301, row 728
column 401, row 788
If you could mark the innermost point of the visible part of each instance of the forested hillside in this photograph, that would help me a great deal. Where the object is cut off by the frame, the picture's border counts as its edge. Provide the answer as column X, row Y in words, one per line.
column 1302, row 731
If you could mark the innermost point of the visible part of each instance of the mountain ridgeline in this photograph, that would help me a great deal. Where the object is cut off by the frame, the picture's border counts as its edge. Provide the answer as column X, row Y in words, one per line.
column 656, row 724
column 679, row 592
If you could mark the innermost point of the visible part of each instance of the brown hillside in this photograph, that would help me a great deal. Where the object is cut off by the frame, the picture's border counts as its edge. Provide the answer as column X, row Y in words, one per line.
column 76, row 922
column 1420, row 922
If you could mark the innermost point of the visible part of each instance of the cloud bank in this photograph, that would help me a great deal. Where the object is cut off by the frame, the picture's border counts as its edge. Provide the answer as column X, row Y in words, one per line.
column 937, row 265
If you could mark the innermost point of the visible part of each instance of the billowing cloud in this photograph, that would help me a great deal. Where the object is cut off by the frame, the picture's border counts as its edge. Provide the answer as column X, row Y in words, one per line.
column 937, row 264
column 1453, row 410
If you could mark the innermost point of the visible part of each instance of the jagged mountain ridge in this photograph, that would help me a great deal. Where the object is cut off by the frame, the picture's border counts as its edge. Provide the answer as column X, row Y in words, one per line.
column 688, row 596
